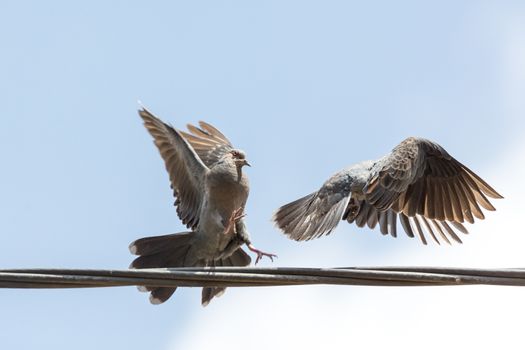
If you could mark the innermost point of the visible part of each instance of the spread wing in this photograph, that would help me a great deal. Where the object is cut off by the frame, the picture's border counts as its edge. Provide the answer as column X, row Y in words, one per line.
column 362, row 213
column 418, row 183
column 317, row 213
column 186, row 170
column 427, row 188
column 209, row 143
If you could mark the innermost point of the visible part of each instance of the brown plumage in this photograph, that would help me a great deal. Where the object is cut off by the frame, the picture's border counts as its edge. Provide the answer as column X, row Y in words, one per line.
column 419, row 182
column 210, row 187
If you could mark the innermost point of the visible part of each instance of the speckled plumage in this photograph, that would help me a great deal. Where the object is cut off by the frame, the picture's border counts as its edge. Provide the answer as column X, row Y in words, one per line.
column 419, row 182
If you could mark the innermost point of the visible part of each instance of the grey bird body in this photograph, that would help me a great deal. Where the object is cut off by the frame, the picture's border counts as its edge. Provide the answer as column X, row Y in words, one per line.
column 210, row 190
column 418, row 183
column 225, row 192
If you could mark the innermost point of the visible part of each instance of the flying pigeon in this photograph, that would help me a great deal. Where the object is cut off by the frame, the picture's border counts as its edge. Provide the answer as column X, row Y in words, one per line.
column 418, row 182
column 211, row 190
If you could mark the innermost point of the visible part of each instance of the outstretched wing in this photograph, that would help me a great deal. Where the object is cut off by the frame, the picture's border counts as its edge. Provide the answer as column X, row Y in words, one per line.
column 209, row 143
column 427, row 187
column 418, row 182
column 362, row 213
column 317, row 213
column 186, row 170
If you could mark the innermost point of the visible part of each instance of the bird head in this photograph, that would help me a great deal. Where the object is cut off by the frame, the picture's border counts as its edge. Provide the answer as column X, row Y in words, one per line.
column 239, row 158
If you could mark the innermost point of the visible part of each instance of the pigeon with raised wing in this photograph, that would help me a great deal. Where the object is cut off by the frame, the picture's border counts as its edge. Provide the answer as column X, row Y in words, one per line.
column 418, row 183
column 211, row 190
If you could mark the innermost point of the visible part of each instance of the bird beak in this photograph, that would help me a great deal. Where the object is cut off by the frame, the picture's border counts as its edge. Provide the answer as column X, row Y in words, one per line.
column 246, row 163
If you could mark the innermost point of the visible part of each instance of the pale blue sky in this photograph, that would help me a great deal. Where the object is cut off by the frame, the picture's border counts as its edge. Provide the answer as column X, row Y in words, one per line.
column 305, row 88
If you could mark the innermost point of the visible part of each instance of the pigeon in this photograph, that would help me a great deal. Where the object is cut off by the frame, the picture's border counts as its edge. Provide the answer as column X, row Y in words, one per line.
column 211, row 189
column 418, row 182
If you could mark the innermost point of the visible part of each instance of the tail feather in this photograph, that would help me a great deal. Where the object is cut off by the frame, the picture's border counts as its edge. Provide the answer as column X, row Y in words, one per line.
column 152, row 245
column 174, row 250
column 284, row 216
column 238, row 258
column 313, row 215
column 174, row 258
column 161, row 294
column 208, row 293
column 162, row 251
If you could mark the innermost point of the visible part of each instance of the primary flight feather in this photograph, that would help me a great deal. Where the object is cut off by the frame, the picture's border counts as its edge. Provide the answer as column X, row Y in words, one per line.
column 417, row 183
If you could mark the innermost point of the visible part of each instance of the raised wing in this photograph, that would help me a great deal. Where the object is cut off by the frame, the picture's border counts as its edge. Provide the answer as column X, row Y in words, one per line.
column 427, row 187
column 362, row 213
column 420, row 177
column 186, row 170
column 209, row 143
column 418, row 183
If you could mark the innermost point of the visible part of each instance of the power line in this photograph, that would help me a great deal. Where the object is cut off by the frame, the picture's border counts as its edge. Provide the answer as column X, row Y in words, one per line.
column 257, row 277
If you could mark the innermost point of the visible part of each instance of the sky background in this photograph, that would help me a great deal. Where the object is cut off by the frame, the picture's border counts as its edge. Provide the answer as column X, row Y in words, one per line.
column 305, row 88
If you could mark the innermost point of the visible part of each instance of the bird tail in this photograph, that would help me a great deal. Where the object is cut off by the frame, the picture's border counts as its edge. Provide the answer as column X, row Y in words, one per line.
column 311, row 216
column 289, row 217
column 174, row 250
column 162, row 251
column 238, row 258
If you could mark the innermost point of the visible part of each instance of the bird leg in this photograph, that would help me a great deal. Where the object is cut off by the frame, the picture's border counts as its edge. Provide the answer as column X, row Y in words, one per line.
column 230, row 228
column 237, row 215
column 260, row 253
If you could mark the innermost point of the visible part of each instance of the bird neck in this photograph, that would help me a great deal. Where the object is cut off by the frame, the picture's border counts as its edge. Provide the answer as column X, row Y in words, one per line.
column 239, row 173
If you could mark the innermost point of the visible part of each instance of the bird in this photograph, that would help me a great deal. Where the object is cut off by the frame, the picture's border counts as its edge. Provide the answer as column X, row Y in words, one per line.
column 418, row 183
column 210, row 190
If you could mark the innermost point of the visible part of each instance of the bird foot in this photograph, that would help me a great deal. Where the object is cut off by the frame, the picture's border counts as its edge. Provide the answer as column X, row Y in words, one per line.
column 260, row 253
column 237, row 215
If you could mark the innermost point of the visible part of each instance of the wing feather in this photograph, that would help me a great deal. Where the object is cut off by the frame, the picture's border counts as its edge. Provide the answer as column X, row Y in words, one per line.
column 186, row 171
column 406, row 225
column 428, row 176
column 419, row 230
column 428, row 188
column 419, row 182
column 450, row 231
column 437, row 227
column 392, row 219
column 429, row 230
column 209, row 143
column 372, row 218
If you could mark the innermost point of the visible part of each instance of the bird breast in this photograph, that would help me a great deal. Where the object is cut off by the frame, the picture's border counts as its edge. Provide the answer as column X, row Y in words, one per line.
column 227, row 189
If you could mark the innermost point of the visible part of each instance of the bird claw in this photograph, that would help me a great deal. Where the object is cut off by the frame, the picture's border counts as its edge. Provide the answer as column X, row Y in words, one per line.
column 261, row 254
column 237, row 215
